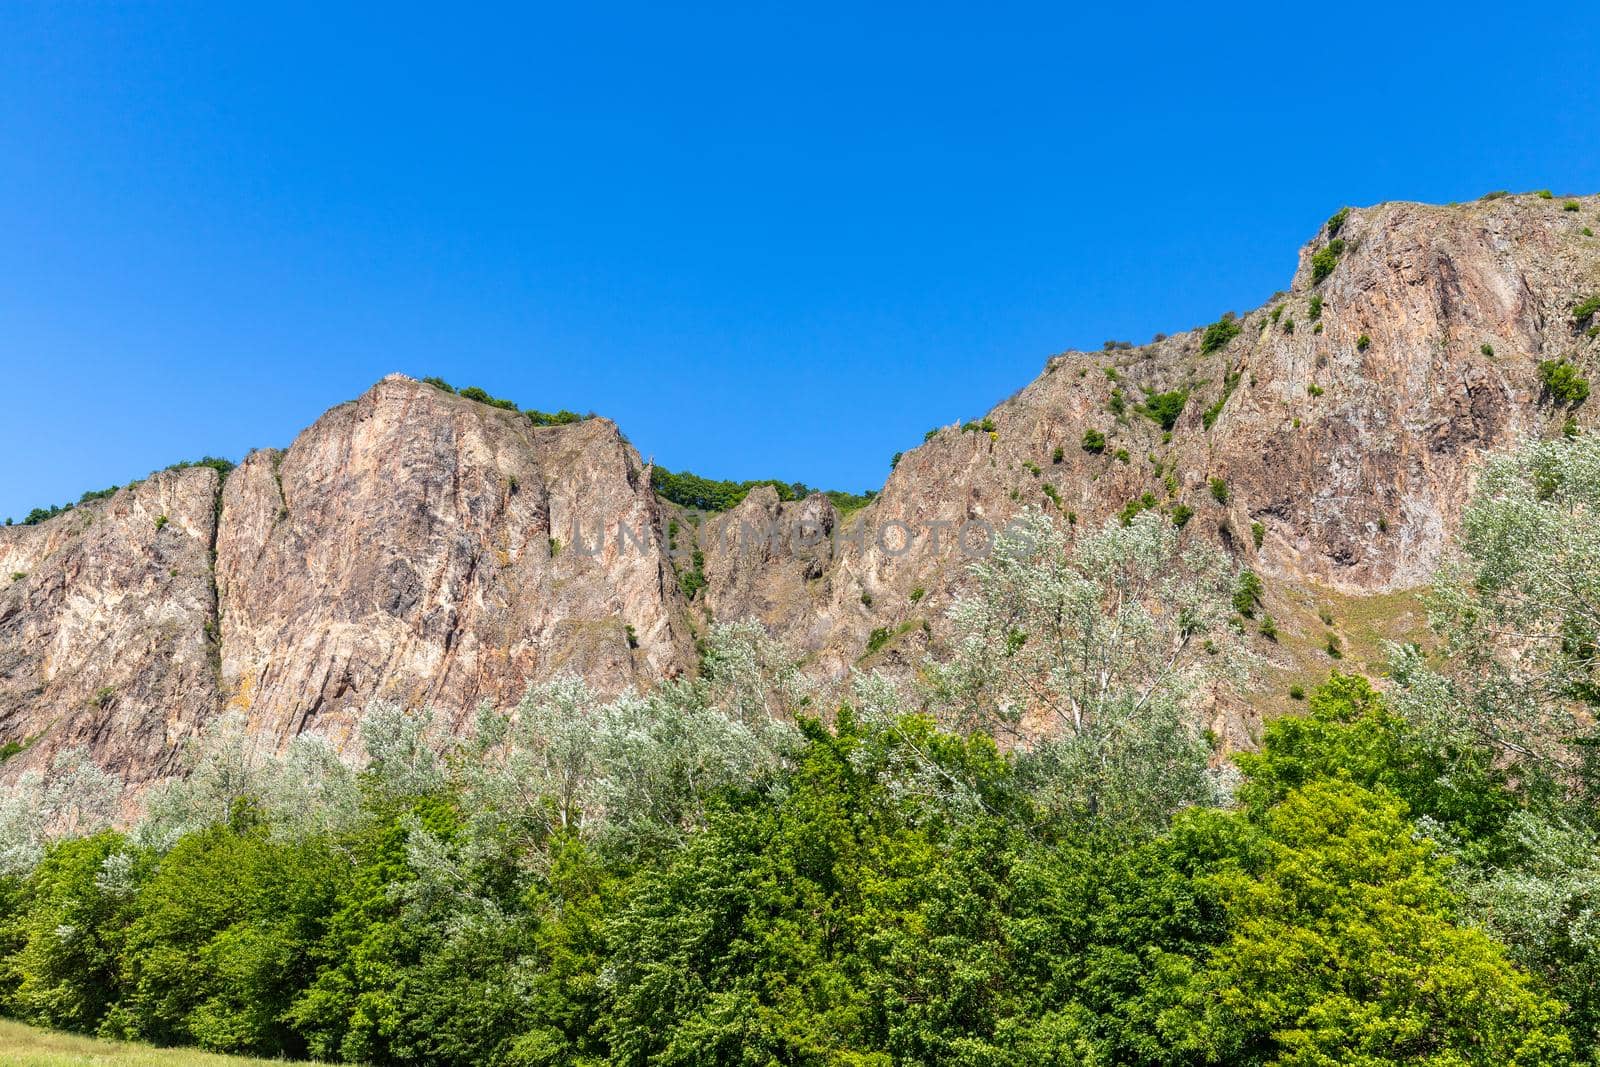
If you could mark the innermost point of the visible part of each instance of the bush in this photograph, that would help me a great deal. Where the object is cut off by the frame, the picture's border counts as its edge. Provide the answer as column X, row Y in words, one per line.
column 1585, row 309
column 1487, row 349
column 894, row 460
column 472, row 392
column 1562, row 382
column 1219, row 333
column 1164, row 408
column 1297, row 692
column 704, row 494
column 223, row 467
column 1325, row 260
column 1336, row 222
column 1230, row 382
column 1060, row 453
column 1258, row 533
column 1545, row 194
column 1570, row 205
column 1219, row 490
column 1314, row 308
column 691, row 581
column 877, row 639
column 1181, row 514
column 1247, row 592
column 38, row 515
column 1313, row 389
column 1363, row 343
column 1133, row 508
column 556, row 418
column 1269, row 629
column 1117, row 404
column 1093, row 441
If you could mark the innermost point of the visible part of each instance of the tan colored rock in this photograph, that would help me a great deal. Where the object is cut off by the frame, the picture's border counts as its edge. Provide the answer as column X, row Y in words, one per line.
column 418, row 546
column 106, row 635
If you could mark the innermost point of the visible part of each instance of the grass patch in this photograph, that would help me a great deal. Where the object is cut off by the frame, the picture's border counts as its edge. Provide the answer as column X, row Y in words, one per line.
column 24, row 1046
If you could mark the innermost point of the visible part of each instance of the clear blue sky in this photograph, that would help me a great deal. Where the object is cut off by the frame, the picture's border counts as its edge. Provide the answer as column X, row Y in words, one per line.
column 769, row 242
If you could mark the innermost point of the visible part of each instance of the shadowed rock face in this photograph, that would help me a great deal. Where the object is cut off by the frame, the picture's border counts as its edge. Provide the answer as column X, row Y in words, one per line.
column 420, row 546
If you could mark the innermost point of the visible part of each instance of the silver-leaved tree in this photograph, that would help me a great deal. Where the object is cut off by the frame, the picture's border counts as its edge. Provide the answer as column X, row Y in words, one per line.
column 1090, row 654
column 1517, row 612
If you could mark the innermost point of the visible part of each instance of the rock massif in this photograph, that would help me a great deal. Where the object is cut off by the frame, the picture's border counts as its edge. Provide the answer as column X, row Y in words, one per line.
column 417, row 545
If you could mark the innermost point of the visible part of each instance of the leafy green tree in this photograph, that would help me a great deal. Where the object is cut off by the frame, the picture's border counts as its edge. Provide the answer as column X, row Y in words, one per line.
column 1343, row 950
column 359, row 1004
column 222, row 939
column 1349, row 733
column 805, row 926
column 64, row 933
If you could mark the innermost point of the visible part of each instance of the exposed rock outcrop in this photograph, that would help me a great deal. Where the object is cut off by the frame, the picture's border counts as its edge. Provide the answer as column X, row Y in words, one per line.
column 421, row 546
column 107, row 626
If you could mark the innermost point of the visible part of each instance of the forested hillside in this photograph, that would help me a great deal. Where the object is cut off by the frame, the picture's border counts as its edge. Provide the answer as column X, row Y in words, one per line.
column 727, row 870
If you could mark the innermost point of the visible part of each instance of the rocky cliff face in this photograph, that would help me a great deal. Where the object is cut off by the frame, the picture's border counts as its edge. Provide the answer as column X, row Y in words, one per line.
column 421, row 546
column 1340, row 427
column 107, row 626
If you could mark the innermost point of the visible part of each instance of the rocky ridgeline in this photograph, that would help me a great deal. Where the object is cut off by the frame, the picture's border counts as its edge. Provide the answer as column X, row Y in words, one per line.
column 426, row 547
